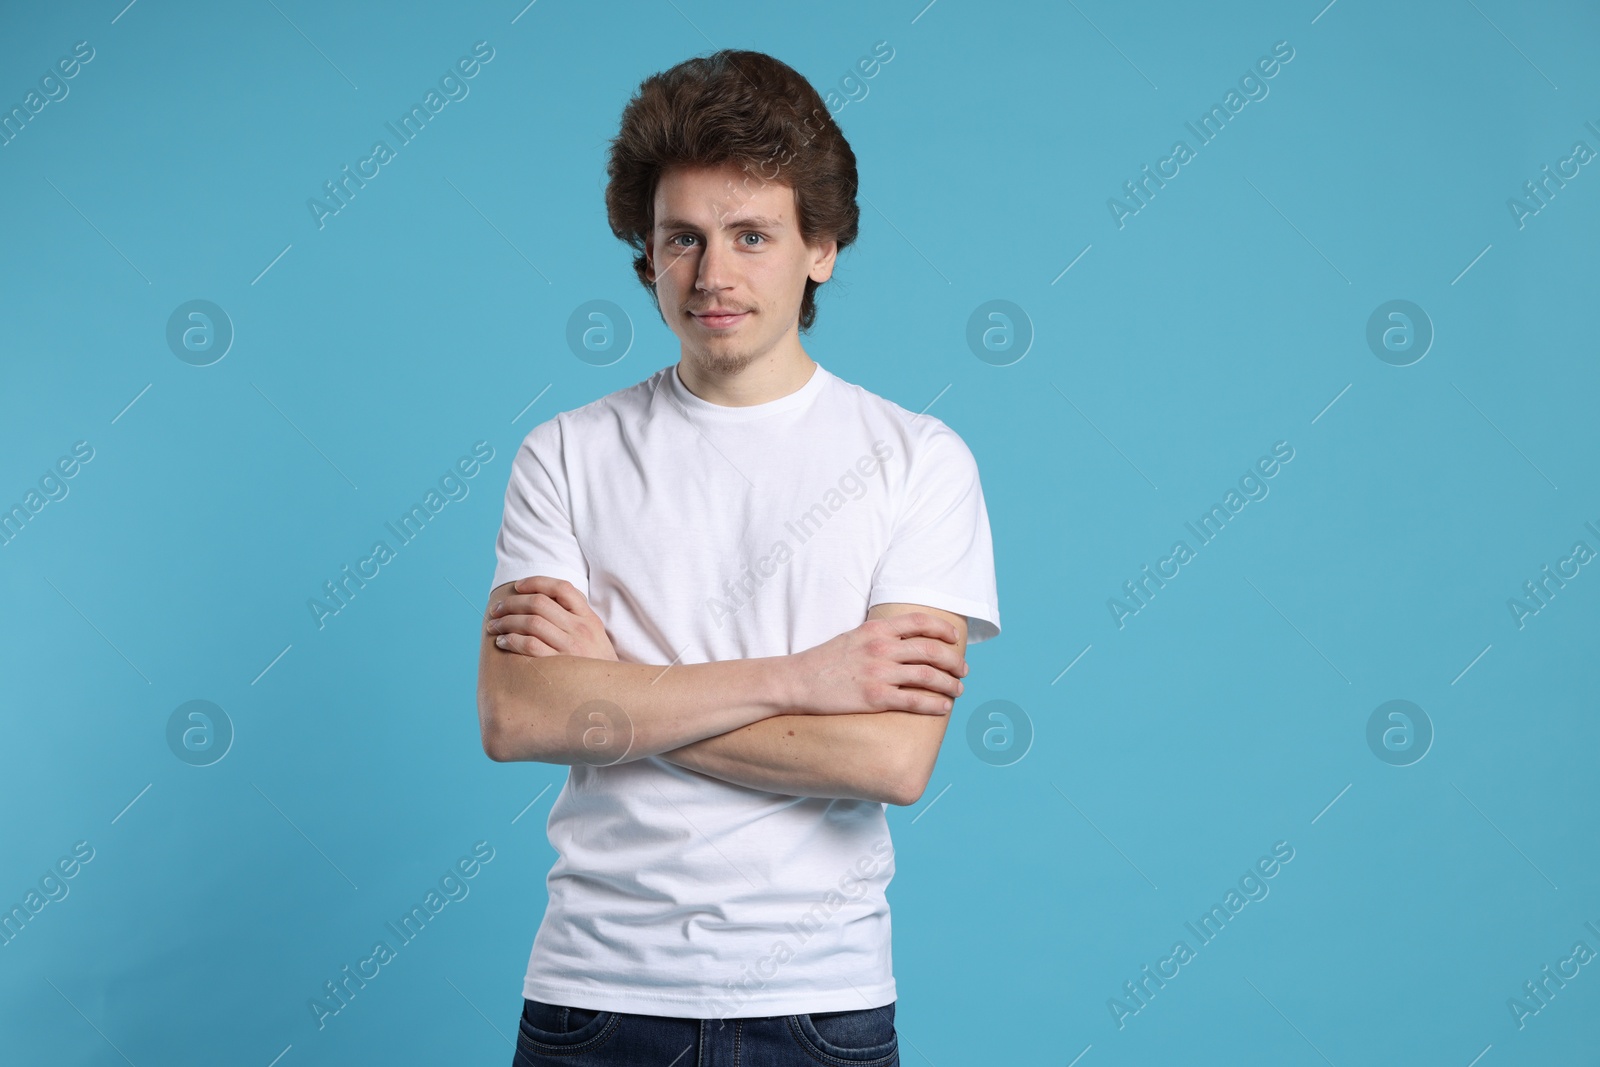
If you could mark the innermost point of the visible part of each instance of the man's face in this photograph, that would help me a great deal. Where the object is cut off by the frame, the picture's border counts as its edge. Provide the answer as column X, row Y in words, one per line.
column 726, row 240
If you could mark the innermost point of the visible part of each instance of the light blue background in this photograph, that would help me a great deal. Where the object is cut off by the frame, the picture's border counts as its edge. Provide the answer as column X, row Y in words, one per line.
column 1228, row 314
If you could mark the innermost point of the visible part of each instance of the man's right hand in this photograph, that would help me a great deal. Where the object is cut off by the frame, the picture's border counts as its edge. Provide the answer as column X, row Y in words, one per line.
column 906, row 662
column 544, row 616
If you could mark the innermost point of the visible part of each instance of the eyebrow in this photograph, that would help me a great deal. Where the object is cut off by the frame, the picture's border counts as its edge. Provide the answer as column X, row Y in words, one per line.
column 760, row 222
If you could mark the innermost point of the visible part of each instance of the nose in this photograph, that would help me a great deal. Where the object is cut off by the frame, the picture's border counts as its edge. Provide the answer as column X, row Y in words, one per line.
column 714, row 268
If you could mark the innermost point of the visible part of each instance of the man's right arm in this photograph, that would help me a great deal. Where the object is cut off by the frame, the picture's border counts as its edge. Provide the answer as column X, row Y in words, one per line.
column 572, row 709
column 568, row 708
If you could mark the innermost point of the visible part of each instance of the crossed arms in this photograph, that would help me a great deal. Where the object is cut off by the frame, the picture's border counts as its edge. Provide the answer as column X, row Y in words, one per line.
column 860, row 716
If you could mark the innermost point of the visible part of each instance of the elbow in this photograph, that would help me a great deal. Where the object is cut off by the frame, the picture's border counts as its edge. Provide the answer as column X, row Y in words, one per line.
column 492, row 747
column 494, row 728
column 490, row 732
column 510, row 735
column 502, row 746
column 909, row 779
column 907, row 787
column 515, row 718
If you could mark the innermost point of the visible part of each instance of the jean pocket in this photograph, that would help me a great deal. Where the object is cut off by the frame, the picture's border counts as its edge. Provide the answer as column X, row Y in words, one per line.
column 865, row 1037
column 552, row 1027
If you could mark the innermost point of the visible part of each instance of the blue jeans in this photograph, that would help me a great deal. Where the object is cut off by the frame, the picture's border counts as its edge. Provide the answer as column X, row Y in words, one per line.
column 551, row 1034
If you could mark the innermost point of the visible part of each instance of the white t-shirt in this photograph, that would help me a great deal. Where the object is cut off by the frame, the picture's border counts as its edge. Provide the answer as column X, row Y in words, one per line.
column 702, row 532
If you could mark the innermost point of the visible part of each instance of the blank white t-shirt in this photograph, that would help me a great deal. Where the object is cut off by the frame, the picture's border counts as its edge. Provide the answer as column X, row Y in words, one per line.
column 703, row 532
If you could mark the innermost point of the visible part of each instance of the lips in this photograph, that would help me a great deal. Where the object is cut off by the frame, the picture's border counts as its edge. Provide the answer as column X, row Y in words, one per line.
column 719, row 318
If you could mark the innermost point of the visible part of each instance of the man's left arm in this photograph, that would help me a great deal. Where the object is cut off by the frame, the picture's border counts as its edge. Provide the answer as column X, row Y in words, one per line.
column 885, row 756
column 872, row 755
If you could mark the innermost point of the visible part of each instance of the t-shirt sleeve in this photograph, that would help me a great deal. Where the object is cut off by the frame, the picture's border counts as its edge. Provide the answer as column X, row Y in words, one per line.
column 940, row 550
column 536, row 531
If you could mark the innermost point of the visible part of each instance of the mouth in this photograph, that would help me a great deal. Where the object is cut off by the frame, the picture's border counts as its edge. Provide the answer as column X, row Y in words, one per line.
column 719, row 320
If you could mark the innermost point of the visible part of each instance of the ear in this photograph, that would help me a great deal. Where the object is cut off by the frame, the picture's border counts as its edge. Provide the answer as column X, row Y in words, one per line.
column 650, row 259
column 823, row 257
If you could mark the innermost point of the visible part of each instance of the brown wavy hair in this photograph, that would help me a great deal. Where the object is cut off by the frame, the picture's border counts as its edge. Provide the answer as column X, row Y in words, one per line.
column 736, row 107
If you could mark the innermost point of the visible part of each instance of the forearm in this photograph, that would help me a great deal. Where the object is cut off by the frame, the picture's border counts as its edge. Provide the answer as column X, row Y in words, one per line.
column 573, row 709
column 851, row 756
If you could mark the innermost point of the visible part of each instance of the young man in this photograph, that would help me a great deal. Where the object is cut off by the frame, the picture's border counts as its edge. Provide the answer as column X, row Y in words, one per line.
column 735, row 599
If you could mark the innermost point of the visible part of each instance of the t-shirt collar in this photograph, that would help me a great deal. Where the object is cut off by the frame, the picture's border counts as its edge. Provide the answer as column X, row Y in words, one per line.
column 705, row 409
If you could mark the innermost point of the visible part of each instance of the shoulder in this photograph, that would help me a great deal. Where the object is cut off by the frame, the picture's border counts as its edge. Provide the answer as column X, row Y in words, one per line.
column 623, row 406
column 925, row 445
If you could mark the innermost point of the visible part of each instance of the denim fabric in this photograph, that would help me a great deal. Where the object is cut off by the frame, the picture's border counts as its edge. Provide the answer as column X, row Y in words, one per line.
column 552, row 1034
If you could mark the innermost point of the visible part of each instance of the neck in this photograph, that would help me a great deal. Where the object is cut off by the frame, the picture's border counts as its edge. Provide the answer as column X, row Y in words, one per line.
column 768, row 377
